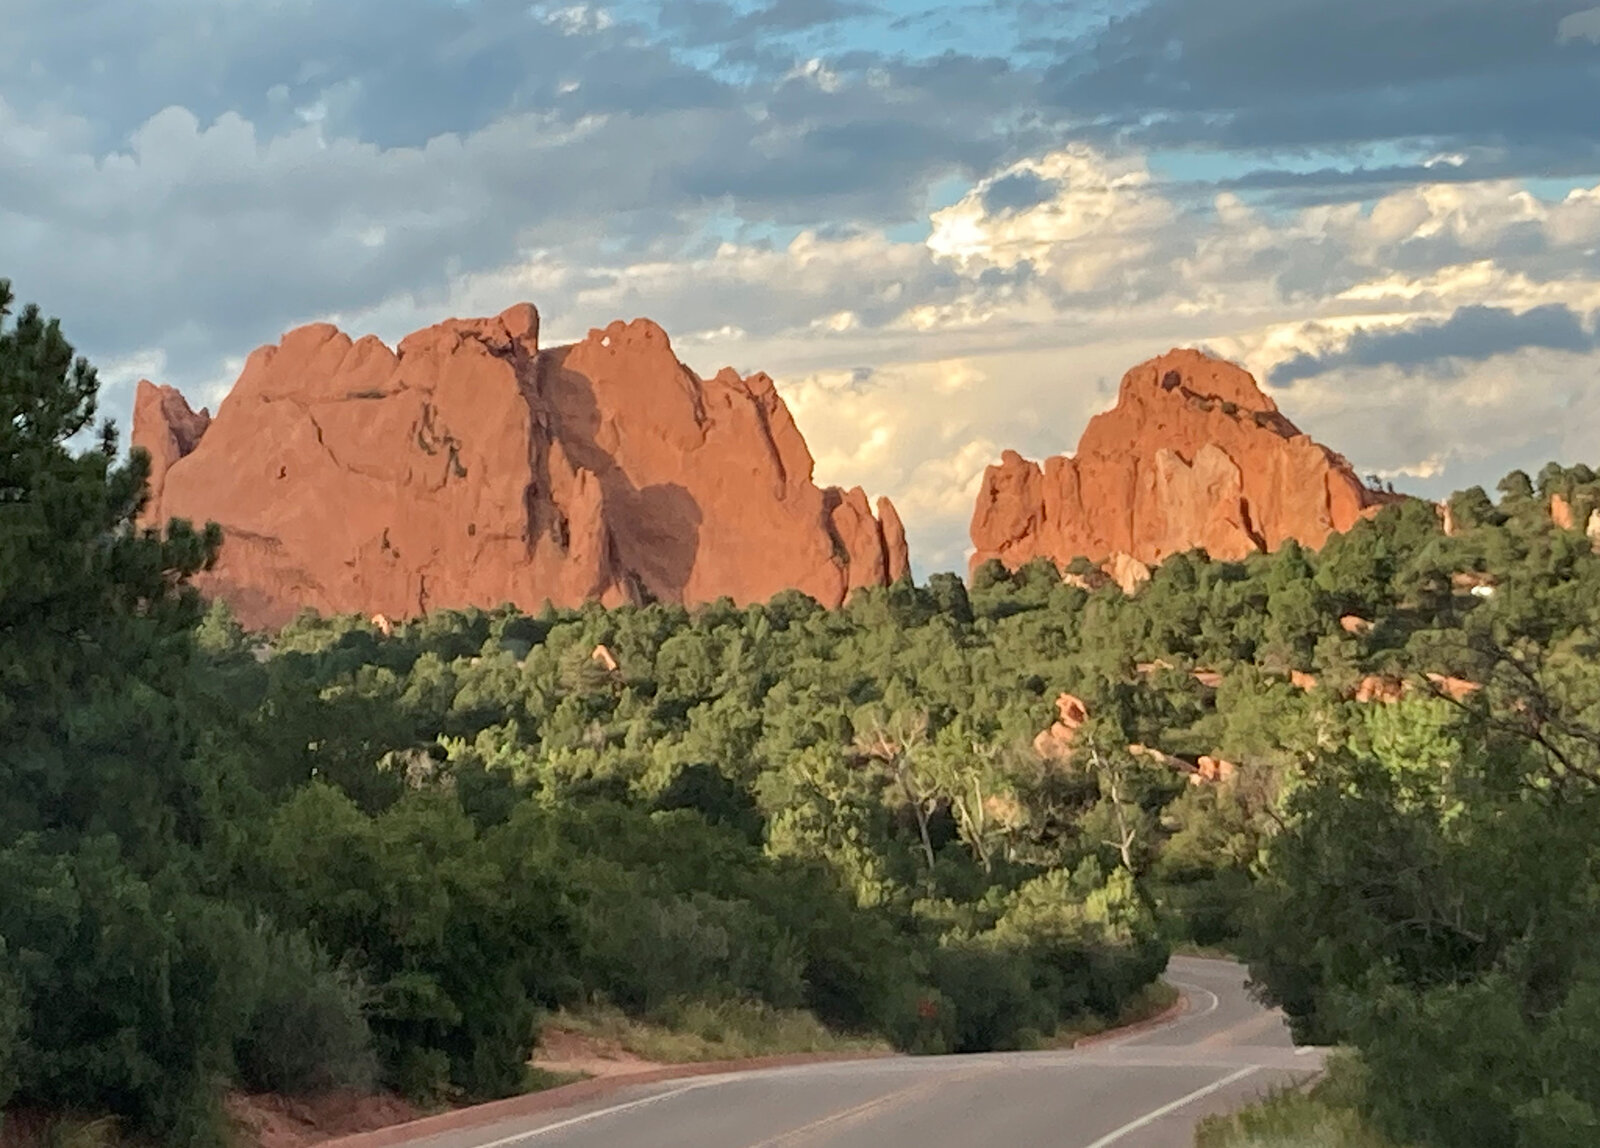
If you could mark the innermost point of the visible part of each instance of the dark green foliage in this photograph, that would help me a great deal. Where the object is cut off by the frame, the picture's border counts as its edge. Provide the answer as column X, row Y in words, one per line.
column 450, row 946
column 122, row 978
column 307, row 1031
column 11, row 1018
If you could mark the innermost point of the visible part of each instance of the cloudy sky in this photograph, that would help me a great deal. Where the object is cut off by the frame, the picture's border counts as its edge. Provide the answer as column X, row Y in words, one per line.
column 946, row 230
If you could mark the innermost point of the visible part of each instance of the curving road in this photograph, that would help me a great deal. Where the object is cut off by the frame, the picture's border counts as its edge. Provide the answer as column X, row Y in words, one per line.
column 1144, row 1090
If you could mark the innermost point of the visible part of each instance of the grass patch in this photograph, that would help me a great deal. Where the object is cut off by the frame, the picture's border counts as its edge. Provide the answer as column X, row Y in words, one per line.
column 688, row 1031
column 1290, row 1120
column 1151, row 1001
column 62, row 1132
column 1325, row 1116
column 537, row 1079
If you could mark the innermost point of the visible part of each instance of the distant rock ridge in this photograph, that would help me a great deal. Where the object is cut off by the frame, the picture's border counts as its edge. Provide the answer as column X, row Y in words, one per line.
column 1194, row 454
column 471, row 467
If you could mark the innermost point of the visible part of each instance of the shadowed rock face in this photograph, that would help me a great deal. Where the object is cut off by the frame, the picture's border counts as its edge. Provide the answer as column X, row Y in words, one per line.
column 1192, row 455
column 470, row 467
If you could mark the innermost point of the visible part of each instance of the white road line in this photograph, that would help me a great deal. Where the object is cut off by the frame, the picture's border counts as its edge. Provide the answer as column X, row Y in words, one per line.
column 1152, row 1117
column 523, row 1137
column 1210, row 1008
column 1177, row 1022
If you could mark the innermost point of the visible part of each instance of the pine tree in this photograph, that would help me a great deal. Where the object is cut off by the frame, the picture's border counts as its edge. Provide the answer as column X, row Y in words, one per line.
column 122, row 984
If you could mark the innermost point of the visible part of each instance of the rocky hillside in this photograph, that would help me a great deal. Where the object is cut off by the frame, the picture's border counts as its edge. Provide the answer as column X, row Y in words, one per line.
column 1192, row 455
column 470, row 466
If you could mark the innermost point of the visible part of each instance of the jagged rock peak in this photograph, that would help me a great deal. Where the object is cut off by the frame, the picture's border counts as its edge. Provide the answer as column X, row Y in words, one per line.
column 471, row 466
column 1194, row 454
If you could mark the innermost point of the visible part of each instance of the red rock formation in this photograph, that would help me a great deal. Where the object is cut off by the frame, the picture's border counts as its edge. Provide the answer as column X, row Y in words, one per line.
column 1193, row 455
column 1212, row 770
column 1458, row 689
column 471, row 467
column 171, row 430
column 1381, row 688
column 896, row 554
column 1055, row 743
column 1561, row 513
column 1471, row 580
column 1355, row 624
column 1127, row 572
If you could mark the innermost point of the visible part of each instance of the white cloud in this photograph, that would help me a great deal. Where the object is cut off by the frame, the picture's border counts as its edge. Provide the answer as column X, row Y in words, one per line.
column 1579, row 26
column 1095, row 215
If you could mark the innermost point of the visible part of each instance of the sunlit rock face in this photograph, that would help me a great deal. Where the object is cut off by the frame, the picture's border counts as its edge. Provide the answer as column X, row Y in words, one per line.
column 471, row 467
column 1192, row 455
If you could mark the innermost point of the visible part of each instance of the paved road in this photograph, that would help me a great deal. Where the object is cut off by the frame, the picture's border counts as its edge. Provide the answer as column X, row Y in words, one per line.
column 1147, row 1090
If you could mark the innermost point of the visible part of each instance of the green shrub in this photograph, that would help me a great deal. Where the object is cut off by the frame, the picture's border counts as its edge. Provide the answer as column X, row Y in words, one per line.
column 307, row 1032
column 991, row 997
column 11, row 1019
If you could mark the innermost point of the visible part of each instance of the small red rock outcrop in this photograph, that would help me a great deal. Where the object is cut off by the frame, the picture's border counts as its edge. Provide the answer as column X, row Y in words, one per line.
column 1055, row 743
column 1192, row 455
column 1561, row 513
column 469, row 466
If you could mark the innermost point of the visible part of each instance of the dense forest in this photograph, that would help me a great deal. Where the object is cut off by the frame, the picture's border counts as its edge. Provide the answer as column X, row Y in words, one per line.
column 360, row 854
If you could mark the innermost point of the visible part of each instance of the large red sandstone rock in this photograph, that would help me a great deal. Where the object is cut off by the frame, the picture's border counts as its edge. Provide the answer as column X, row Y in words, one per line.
column 1193, row 455
column 471, row 467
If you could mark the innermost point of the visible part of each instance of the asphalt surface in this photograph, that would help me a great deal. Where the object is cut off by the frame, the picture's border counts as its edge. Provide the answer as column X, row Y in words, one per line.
column 1145, row 1090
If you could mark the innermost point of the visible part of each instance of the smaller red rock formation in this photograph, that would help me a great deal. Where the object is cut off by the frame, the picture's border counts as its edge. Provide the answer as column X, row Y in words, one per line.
column 1593, row 529
column 1127, row 572
column 1004, row 810
column 1458, row 689
column 602, row 656
column 1212, row 770
column 1355, row 624
column 1055, row 743
column 1381, row 688
column 1470, row 580
column 1162, row 757
column 1386, row 688
column 1088, row 583
column 383, row 625
column 1561, row 513
column 1193, row 455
